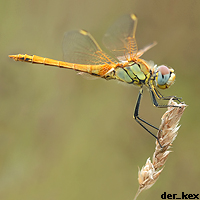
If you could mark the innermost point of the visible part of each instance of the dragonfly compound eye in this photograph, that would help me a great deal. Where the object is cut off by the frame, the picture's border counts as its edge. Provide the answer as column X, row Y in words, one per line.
column 165, row 77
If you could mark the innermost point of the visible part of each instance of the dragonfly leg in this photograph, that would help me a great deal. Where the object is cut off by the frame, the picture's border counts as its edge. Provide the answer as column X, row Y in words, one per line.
column 160, row 96
column 155, row 103
column 173, row 97
column 139, row 120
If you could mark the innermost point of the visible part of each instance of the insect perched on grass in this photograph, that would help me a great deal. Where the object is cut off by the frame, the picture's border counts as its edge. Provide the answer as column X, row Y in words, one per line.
column 83, row 54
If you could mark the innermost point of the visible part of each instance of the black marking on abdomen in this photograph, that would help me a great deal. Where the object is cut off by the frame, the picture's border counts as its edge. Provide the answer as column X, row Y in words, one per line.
column 27, row 59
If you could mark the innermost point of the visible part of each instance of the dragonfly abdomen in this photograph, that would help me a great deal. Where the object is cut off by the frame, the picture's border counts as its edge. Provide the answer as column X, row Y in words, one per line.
column 46, row 61
column 97, row 70
column 36, row 59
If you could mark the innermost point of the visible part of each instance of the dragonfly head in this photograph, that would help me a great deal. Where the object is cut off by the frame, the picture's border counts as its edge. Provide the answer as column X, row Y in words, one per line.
column 165, row 77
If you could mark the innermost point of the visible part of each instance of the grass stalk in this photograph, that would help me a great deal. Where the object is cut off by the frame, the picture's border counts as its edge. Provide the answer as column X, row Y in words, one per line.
column 167, row 133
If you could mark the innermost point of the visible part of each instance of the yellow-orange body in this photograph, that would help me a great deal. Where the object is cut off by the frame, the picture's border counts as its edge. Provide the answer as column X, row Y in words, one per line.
column 98, row 70
column 82, row 53
column 107, row 71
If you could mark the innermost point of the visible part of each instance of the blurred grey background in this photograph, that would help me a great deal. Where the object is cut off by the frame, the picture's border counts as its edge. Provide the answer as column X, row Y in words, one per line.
column 66, row 137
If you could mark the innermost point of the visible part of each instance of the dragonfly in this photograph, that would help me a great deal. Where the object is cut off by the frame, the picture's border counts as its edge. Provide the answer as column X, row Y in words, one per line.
column 82, row 53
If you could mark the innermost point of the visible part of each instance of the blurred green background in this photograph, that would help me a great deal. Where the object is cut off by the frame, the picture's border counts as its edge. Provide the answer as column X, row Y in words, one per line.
column 66, row 137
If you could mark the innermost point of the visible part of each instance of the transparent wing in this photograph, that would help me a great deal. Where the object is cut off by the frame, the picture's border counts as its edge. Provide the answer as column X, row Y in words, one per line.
column 80, row 47
column 120, row 37
column 146, row 48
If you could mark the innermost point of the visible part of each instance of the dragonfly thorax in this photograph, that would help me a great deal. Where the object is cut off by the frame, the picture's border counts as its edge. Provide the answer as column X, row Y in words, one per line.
column 131, row 73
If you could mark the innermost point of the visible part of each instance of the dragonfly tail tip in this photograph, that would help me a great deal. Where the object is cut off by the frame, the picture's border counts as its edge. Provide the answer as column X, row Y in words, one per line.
column 14, row 57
